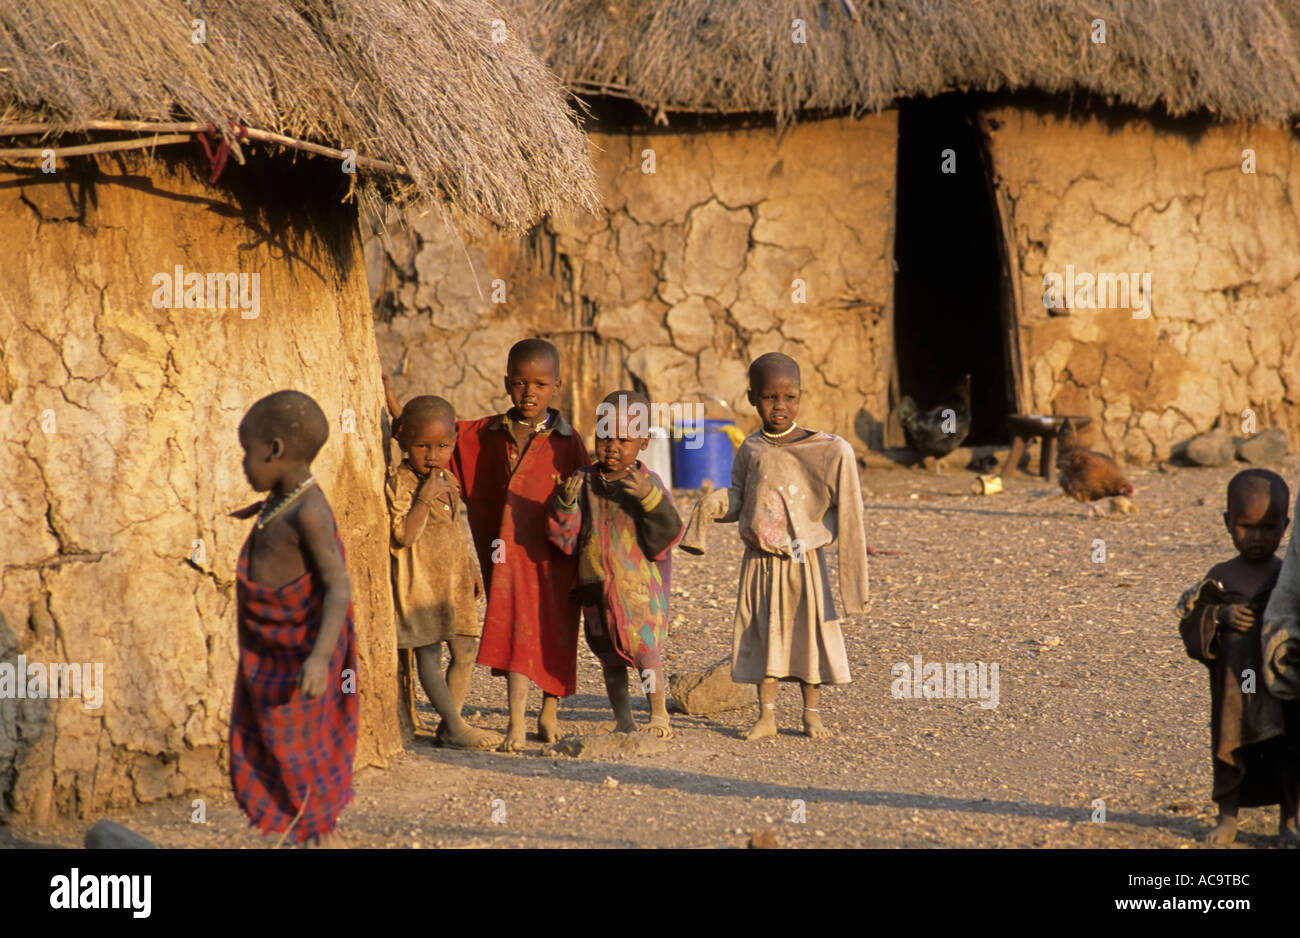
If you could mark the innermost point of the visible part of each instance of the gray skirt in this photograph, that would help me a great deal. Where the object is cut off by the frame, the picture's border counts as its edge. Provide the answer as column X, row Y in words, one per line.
column 786, row 624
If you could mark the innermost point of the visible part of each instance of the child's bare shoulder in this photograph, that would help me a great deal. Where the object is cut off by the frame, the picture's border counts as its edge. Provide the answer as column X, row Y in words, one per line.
column 1225, row 570
column 1238, row 576
column 314, row 513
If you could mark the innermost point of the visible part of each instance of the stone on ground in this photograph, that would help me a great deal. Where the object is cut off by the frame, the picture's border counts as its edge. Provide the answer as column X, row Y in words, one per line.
column 712, row 690
column 1211, row 449
column 603, row 746
column 109, row 835
column 1263, row 448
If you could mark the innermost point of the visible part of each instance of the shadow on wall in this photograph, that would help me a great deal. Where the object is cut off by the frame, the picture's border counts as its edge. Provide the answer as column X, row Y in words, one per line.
column 869, row 430
column 24, row 725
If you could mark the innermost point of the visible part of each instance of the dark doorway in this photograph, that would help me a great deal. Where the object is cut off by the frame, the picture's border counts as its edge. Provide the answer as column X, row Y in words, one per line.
column 951, row 314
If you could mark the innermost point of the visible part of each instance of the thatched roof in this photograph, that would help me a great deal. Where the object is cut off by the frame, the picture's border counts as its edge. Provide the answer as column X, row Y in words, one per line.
column 417, row 83
column 1233, row 58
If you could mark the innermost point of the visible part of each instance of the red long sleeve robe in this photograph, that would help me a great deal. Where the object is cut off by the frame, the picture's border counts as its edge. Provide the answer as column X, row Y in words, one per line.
column 531, row 626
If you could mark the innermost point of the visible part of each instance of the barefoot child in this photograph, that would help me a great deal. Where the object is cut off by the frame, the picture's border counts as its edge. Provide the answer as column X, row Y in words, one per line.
column 508, row 466
column 293, row 727
column 619, row 520
column 794, row 491
column 435, row 580
column 1220, row 626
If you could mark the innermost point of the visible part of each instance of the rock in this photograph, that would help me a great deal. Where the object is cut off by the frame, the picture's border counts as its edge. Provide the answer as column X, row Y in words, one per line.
column 710, row 691
column 109, row 835
column 763, row 840
column 602, row 746
column 1263, row 448
column 1211, row 449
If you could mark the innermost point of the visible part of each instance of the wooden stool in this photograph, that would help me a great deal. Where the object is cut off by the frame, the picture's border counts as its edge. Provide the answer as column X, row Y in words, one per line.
column 1024, row 428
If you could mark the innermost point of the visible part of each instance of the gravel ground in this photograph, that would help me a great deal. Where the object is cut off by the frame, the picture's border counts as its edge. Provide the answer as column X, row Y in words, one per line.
column 1097, row 700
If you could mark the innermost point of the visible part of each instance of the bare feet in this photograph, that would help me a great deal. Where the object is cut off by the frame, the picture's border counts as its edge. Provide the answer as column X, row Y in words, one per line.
column 516, row 739
column 659, row 726
column 1223, row 833
column 548, row 721
column 329, row 841
column 765, row 727
column 813, row 726
column 467, row 737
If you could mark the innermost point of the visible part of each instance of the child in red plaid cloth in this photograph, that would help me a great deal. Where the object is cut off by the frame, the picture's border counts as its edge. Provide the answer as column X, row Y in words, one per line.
column 293, row 728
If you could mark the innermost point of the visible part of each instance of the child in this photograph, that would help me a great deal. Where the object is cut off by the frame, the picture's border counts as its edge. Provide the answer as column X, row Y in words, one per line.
column 1219, row 624
column 293, row 729
column 794, row 492
column 508, row 466
column 620, row 521
column 434, row 577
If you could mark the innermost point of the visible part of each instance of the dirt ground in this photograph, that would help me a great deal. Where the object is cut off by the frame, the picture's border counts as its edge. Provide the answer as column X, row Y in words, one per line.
column 1097, row 700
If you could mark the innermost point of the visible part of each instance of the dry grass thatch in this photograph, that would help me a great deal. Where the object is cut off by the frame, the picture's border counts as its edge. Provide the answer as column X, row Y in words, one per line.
column 417, row 83
column 1237, row 59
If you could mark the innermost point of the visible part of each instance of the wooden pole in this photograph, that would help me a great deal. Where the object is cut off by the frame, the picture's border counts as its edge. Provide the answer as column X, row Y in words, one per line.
column 108, row 146
column 188, row 127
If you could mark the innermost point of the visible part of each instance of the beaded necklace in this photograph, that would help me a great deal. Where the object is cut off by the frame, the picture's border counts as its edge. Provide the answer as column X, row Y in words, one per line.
column 777, row 436
column 265, row 517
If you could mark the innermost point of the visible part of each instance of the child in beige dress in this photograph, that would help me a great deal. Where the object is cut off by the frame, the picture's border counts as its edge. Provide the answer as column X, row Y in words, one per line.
column 435, row 580
column 793, row 491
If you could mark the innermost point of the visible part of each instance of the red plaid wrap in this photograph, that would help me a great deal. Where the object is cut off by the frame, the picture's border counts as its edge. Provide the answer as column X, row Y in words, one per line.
column 284, row 747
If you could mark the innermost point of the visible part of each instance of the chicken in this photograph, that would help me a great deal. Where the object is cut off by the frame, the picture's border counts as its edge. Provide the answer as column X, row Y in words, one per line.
column 1089, row 476
column 941, row 429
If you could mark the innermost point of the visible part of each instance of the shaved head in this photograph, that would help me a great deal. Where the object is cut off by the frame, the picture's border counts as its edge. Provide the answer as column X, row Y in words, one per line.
column 292, row 417
column 533, row 350
column 1254, row 484
column 422, row 411
column 632, row 397
column 623, row 415
column 772, row 365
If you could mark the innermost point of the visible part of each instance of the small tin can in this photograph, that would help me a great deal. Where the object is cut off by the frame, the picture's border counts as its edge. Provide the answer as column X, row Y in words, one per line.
column 986, row 485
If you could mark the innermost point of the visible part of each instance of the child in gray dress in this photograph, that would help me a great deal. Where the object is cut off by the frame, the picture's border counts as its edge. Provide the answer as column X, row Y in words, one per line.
column 794, row 491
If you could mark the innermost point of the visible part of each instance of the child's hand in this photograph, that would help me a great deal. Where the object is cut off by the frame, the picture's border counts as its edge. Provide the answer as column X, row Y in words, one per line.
column 314, row 676
column 1237, row 616
column 435, row 485
column 248, row 511
column 572, row 485
column 390, row 401
column 636, row 485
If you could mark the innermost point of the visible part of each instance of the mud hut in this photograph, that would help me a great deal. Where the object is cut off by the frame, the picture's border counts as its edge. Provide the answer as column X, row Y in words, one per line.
column 182, row 180
column 884, row 189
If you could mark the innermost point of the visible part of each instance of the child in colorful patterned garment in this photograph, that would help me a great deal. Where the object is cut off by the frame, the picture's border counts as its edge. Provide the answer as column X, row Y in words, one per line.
column 435, row 577
column 619, row 520
column 508, row 466
column 794, row 492
column 293, row 727
column 1253, row 756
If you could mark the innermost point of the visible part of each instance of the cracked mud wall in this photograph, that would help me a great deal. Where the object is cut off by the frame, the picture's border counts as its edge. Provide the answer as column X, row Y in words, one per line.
column 120, row 452
column 1223, row 250
column 685, row 277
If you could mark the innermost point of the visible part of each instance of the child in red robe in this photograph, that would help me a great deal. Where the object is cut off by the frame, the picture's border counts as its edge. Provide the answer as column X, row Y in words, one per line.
column 293, row 727
column 508, row 466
